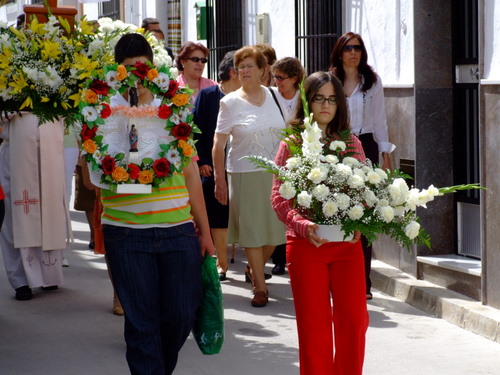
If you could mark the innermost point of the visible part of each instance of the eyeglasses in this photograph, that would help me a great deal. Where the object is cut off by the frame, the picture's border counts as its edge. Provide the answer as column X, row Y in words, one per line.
column 320, row 99
column 355, row 47
column 279, row 78
column 197, row 59
column 249, row 66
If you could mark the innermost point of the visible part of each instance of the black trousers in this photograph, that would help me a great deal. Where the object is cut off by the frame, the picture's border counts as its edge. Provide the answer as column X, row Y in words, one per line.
column 370, row 148
column 2, row 212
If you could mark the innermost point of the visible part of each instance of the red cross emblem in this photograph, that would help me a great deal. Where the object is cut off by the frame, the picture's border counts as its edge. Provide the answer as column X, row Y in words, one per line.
column 26, row 202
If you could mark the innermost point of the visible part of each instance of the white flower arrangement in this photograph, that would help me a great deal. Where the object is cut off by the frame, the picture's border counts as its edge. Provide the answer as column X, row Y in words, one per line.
column 330, row 186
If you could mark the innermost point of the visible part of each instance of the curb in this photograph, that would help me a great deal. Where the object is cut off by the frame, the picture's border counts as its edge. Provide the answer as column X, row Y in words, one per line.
column 443, row 303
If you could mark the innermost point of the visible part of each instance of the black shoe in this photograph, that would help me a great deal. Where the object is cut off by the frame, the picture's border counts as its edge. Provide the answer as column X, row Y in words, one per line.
column 24, row 293
column 222, row 276
column 278, row 269
column 50, row 287
column 92, row 245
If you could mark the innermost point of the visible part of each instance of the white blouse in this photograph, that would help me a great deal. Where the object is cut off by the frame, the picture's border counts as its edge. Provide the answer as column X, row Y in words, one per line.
column 253, row 130
column 367, row 114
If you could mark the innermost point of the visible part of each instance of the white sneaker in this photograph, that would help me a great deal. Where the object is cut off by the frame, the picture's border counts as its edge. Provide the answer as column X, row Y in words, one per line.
column 65, row 263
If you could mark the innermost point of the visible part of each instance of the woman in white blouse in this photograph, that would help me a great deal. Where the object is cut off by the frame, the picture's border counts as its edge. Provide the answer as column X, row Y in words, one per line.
column 250, row 120
column 365, row 97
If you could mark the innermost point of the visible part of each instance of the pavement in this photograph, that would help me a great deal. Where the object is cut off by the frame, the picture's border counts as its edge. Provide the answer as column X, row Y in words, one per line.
column 72, row 330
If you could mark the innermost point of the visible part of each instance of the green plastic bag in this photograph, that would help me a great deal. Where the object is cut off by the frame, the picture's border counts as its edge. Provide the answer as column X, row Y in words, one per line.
column 208, row 329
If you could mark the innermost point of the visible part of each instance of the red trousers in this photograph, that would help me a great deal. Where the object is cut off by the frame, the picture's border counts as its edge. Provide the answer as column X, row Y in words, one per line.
column 319, row 276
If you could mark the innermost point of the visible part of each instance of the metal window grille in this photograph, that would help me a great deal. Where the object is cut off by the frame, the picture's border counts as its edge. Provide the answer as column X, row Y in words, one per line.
column 110, row 9
column 224, row 31
column 318, row 23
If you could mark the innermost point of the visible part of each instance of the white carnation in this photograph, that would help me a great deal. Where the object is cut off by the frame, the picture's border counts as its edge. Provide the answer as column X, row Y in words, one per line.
column 356, row 212
column 370, row 198
column 330, row 208
column 387, row 213
column 412, row 230
column 304, row 199
column 381, row 173
column 320, row 192
column 374, row 178
column 355, row 181
column 399, row 211
column 336, row 145
column 350, row 161
column 287, row 190
column 343, row 201
column 332, row 159
column 293, row 163
column 316, row 175
column 343, row 170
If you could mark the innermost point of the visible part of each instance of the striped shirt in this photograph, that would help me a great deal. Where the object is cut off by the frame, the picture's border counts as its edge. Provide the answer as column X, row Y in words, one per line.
column 164, row 207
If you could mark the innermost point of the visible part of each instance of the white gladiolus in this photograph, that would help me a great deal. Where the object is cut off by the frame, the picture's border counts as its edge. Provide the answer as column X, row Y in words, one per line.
column 387, row 213
column 293, row 163
column 330, row 208
column 304, row 199
column 356, row 212
column 320, row 192
column 413, row 199
column 336, row 145
column 287, row 190
column 412, row 230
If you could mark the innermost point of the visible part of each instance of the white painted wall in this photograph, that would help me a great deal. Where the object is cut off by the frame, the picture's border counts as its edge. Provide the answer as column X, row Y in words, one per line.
column 491, row 43
column 386, row 27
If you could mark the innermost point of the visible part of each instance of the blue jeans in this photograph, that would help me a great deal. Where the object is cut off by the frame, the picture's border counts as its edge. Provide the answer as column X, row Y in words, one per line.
column 157, row 275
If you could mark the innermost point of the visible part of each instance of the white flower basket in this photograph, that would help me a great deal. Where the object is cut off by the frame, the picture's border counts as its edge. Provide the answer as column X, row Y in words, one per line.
column 332, row 233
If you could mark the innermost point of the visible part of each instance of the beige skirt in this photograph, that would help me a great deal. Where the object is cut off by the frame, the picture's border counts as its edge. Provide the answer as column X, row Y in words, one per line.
column 252, row 220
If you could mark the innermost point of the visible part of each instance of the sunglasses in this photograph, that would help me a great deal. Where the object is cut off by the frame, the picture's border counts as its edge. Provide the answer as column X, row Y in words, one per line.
column 280, row 78
column 197, row 59
column 355, row 47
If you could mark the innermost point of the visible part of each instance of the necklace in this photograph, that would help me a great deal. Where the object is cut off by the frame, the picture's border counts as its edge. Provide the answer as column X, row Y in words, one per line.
column 258, row 102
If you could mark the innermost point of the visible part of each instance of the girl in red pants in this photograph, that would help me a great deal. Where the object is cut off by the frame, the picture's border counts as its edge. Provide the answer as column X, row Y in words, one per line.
column 327, row 278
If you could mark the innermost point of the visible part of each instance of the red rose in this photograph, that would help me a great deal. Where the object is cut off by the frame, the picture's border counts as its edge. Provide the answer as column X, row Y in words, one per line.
column 133, row 171
column 172, row 89
column 99, row 87
column 106, row 111
column 88, row 133
column 141, row 70
column 164, row 111
column 108, row 164
column 181, row 131
column 161, row 167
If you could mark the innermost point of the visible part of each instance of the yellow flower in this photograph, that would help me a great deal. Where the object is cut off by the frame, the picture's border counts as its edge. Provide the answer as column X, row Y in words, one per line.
column 187, row 149
column 145, row 177
column 50, row 50
column 152, row 74
column 119, row 174
column 37, row 27
column 19, row 84
column 27, row 103
column 5, row 57
column 90, row 146
column 84, row 65
column 86, row 28
column 3, row 83
column 44, row 99
column 180, row 99
column 121, row 72
column 76, row 98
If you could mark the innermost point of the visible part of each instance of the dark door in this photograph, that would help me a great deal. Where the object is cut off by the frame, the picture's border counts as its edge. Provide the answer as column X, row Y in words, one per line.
column 466, row 123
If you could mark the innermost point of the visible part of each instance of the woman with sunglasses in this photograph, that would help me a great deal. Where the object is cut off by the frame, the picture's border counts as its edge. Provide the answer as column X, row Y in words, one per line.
column 191, row 62
column 331, row 335
column 365, row 97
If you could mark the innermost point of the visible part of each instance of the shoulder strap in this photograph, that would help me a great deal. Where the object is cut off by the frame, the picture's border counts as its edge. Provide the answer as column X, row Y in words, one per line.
column 276, row 101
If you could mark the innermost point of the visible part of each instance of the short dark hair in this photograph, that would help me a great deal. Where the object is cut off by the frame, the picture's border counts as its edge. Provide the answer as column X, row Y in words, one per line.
column 132, row 45
column 186, row 50
column 292, row 67
column 268, row 51
column 226, row 65
column 149, row 21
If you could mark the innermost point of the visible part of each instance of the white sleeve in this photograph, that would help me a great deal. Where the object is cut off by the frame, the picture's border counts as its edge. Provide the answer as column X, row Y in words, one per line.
column 380, row 131
column 225, row 121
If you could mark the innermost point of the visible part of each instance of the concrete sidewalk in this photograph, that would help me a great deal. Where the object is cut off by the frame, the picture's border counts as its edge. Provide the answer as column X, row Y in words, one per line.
column 435, row 300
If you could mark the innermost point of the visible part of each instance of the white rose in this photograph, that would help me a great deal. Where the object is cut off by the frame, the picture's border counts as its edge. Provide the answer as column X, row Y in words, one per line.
column 330, row 208
column 335, row 145
column 374, row 178
column 412, row 230
column 387, row 213
column 304, row 199
column 320, row 192
column 356, row 212
column 287, row 190
column 293, row 163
